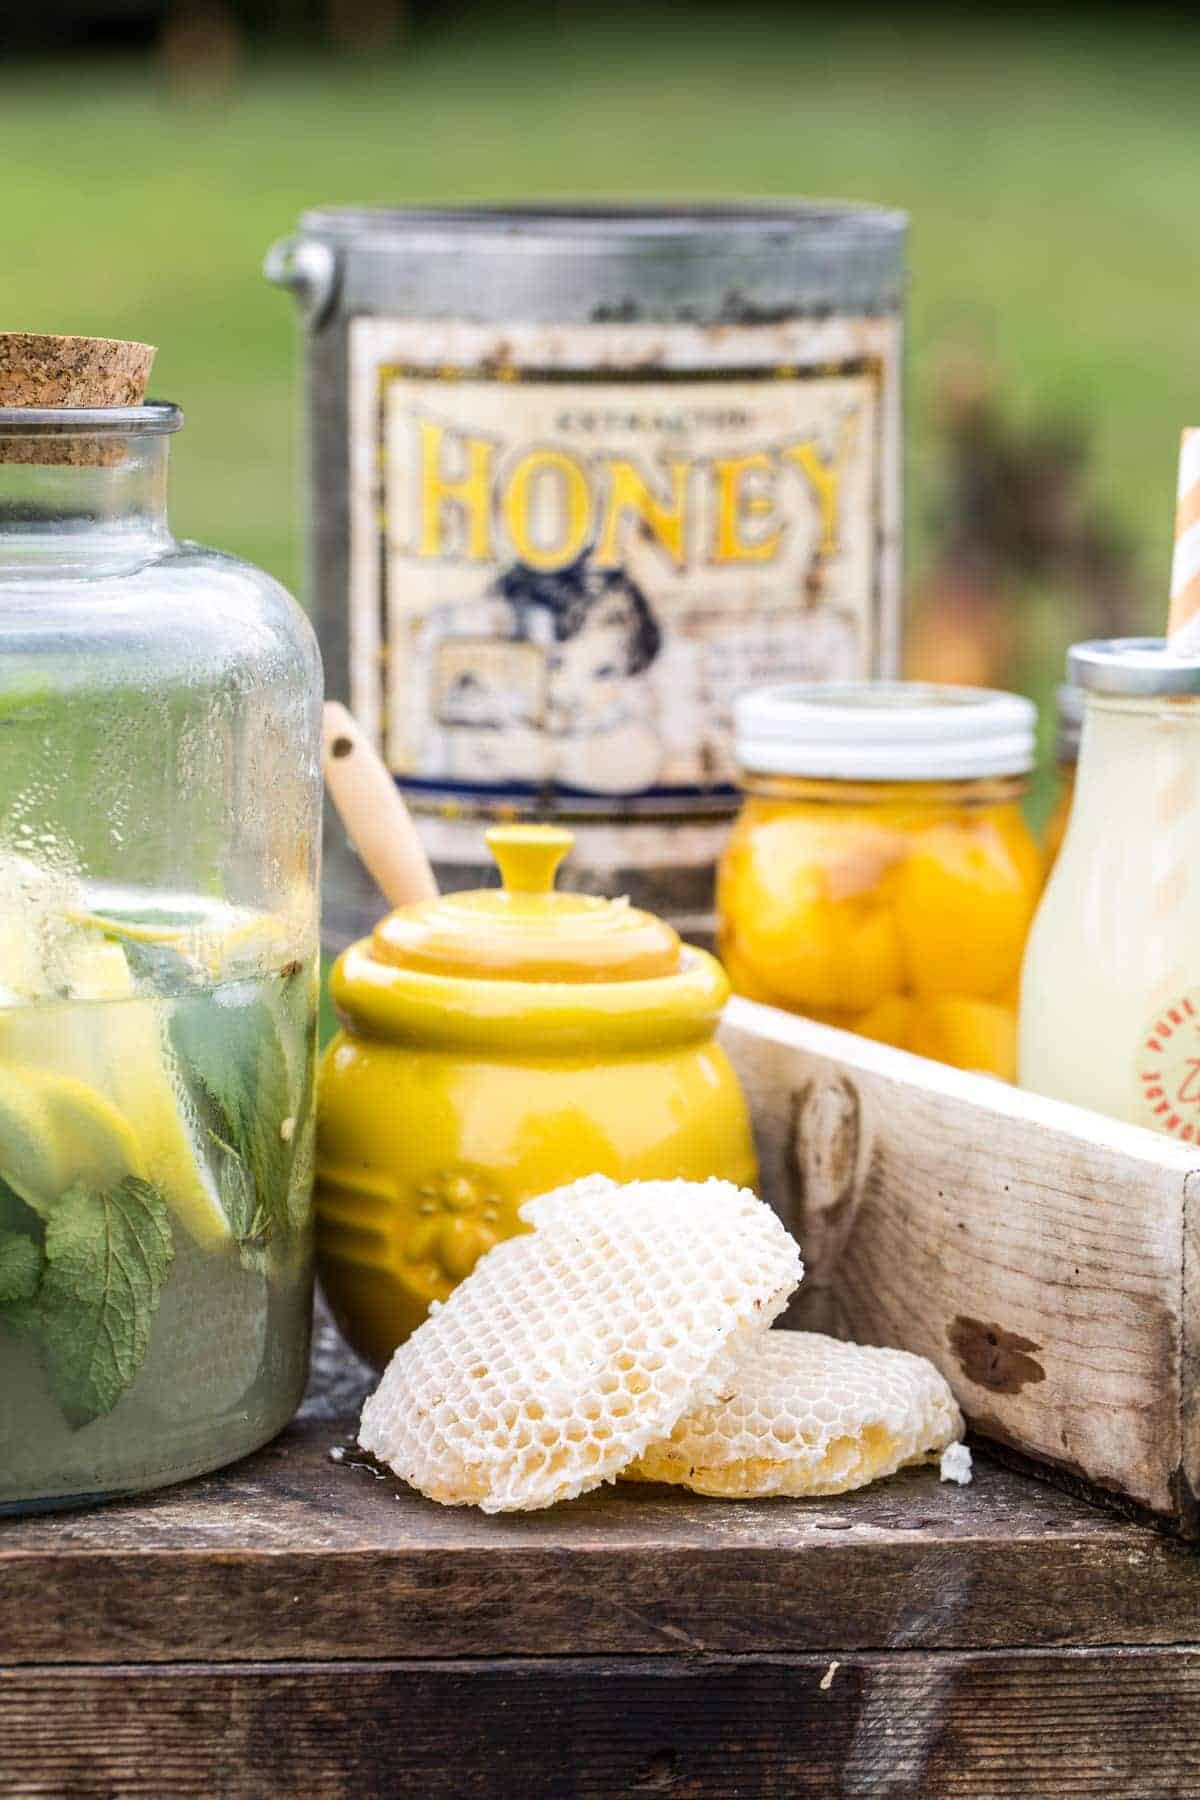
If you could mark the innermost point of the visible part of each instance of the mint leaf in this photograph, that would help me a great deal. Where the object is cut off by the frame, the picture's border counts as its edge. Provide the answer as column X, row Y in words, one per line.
column 235, row 1187
column 269, row 1150
column 15, row 1215
column 237, row 1057
column 251, row 1227
column 19, row 1225
column 20, row 1267
column 107, row 1260
column 217, row 1047
column 304, row 1132
column 160, row 968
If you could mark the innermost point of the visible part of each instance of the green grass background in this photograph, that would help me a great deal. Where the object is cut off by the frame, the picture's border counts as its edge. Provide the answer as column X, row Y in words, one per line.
column 1052, row 172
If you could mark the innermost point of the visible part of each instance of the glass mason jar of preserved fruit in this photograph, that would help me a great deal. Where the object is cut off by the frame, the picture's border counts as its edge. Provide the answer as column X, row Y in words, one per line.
column 881, row 876
column 159, row 784
column 1066, row 757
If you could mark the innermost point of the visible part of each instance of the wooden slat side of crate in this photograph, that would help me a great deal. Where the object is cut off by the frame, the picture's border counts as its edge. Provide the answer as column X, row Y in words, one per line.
column 1045, row 1258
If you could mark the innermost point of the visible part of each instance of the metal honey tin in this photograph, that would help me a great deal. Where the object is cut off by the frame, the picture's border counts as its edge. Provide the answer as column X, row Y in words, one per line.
column 578, row 476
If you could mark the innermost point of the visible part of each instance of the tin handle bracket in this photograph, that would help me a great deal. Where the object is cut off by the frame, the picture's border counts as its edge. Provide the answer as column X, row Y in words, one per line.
column 307, row 269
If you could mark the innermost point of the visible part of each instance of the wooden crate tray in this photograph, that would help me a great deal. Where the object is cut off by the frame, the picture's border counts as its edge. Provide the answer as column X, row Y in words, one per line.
column 298, row 1628
column 1045, row 1258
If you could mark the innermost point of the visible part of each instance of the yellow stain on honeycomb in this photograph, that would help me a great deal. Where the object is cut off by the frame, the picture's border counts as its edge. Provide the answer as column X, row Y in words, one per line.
column 806, row 1415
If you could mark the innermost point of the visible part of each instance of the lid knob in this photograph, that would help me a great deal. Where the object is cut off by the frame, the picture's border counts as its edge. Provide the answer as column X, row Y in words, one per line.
column 529, row 855
column 526, row 931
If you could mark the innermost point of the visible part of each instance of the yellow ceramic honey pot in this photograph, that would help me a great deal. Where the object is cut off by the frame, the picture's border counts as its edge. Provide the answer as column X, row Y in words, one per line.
column 494, row 1045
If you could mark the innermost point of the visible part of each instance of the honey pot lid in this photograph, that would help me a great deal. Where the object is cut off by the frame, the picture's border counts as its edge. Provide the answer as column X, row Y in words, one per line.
column 525, row 930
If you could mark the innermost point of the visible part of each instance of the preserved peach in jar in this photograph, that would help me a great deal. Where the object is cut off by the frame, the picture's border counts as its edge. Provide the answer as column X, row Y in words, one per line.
column 881, row 876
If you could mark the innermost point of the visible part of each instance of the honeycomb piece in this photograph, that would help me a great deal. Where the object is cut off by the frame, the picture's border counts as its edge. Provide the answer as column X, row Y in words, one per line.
column 955, row 1465
column 806, row 1414
column 569, row 1349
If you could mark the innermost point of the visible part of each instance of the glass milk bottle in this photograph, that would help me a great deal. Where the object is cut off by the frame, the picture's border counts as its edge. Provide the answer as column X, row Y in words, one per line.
column 1066, row 759
column 159, row 785
column 1110, row 992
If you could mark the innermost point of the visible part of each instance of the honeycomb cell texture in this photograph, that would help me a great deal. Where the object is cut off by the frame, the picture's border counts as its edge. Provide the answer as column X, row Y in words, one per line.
column 805, row 1414
column 568, row 1350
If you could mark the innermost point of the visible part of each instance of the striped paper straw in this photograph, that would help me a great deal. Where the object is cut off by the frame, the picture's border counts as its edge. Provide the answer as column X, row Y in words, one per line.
column 1185, row 564
column 1174, row 789
column 1172, row 859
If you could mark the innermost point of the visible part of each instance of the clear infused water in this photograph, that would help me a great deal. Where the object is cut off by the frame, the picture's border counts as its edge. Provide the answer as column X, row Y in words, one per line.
column 156, row 1147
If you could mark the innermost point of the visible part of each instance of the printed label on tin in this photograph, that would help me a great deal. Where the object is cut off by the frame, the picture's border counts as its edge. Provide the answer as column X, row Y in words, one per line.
column 562, row 575
column 1168, row 1069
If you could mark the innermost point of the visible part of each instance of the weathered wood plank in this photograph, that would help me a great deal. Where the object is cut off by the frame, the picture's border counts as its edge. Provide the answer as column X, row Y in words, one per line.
column 937, row 1726
column 1188, row 1491
column 1034, row 1251
column 290, row 1555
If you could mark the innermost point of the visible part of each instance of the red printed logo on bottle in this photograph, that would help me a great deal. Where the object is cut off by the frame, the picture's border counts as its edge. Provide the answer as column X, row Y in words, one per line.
column 1168, row 1070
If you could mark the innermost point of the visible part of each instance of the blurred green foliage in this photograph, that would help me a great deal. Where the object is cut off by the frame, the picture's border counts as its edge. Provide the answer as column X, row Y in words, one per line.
column 1048, row 167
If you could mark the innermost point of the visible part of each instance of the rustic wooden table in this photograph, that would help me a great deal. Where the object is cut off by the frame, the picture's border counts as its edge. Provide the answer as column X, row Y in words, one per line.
column 301, row 1627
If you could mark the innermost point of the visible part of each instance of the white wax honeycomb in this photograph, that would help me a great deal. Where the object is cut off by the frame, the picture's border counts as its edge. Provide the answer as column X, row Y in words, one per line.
column 806, row 1414
column 956, row 1465
column 567, row 1351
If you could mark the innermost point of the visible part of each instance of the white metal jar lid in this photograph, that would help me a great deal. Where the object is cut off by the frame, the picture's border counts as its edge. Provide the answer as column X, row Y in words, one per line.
column 883, row 731
column 1141, row 667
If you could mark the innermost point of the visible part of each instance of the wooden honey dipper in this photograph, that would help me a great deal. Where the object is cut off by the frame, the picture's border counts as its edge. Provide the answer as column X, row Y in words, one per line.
column 372, row 809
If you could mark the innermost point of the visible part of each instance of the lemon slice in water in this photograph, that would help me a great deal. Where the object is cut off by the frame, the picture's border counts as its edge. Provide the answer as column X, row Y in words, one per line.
column 109, row 1042
column 127, row 1046
column 56, row 1131
column 34, row 926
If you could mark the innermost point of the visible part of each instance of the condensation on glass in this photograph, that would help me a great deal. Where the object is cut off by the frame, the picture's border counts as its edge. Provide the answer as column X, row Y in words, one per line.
column 159, row 853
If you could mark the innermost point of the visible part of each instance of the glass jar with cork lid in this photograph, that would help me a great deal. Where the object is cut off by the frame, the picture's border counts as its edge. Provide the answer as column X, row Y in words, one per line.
column 159, row 784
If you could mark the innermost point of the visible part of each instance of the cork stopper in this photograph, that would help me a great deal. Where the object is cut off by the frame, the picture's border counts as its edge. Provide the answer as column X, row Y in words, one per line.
column 37, row 370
